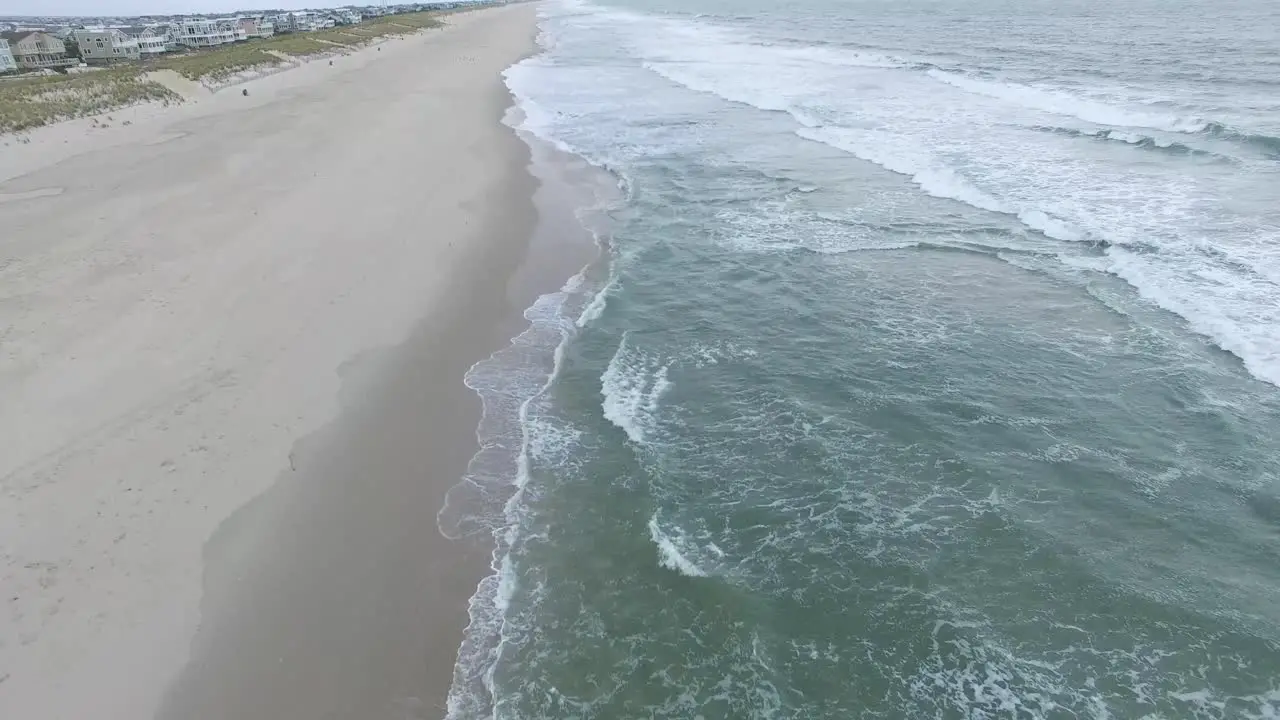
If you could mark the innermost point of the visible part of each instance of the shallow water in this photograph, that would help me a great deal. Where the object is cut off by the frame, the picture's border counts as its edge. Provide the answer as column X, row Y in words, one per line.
column 932, row 371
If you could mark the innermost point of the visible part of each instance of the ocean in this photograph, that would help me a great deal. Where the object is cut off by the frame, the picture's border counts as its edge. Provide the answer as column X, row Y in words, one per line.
column 930, row 368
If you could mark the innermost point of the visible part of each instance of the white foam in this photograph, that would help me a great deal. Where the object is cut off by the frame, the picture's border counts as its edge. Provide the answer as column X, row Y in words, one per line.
column 669, row 554
column 535, row 119
column 632, row 386
column 1236, row 310
column 1060, row 103
column 508, row 386
column 596, row 307
column 1051, row 226
column 960, row 147
column 888, row 152
column 512, row 384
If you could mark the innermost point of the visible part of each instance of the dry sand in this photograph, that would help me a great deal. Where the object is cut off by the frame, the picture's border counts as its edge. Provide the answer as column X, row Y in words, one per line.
column 270, row 297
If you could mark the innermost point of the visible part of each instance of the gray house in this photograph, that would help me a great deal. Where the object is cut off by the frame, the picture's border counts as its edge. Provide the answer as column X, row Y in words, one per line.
column 102, row 46
column 37, row 51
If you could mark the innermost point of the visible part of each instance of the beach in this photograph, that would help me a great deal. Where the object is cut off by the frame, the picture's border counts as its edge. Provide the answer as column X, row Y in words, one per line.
column 232, row 341
column 656, row 359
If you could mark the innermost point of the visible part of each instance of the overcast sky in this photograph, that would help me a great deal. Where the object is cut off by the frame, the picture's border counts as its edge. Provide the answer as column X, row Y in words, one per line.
column 155, row 7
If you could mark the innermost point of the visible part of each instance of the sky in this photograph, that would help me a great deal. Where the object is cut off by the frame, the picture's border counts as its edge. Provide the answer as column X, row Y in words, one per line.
column 157, row 7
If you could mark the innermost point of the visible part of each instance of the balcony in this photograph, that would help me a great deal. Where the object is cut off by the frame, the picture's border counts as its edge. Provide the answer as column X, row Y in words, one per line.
column 44, row 61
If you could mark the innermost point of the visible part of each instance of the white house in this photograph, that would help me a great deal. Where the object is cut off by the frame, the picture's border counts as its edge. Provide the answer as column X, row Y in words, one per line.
column 206, row 32
column 257, row 26
column 230, row 28
column 197, row 33
column 281, row 23
column 152, row 39
column 156, row 39
column 7, row 63
column 347, row 16
column 306, row 21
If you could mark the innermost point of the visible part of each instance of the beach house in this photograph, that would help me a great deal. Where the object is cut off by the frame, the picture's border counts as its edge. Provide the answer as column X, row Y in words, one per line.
column 257, row 26
column 233, row 29
column 34, row 50
column 153, row 39
column 7, row 63
column 305, row 21
column 347, row 16
column 206, row 32
column 102, row 46
column 280, row 22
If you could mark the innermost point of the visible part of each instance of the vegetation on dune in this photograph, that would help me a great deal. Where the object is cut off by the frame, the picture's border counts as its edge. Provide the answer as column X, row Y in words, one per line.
column 215, row 64
column 30, row 102
column 418, row 21
column 302, row 45
column 219, row 63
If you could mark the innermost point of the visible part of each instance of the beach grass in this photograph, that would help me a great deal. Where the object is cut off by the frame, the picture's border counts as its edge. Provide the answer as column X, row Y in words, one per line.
column 31, row 102
column 219, row 63
column 418, row 21
column 216, row 64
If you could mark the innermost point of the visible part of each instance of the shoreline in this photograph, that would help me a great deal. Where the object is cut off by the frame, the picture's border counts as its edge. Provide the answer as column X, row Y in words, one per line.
column 320, row 595
column 570, row 245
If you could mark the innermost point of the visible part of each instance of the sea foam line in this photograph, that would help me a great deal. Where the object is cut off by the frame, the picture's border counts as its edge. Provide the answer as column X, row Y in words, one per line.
column 509, row 388
column 499, row 380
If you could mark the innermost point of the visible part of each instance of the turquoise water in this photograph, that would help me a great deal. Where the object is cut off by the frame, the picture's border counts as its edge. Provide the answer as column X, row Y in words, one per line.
column 930, row 370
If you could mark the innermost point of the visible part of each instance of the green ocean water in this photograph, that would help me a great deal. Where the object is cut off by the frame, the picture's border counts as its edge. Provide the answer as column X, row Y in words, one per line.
column 929, row 371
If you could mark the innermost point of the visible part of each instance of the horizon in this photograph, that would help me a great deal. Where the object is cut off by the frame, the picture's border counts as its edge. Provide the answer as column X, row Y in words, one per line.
column 140, row 8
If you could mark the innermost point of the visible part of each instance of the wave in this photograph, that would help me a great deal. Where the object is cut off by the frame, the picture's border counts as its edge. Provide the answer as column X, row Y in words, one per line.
column 489, row 497
column 596, row 307
column 542, row 123
column 512, row 385
column 1140, row 140
column 1060, row 103
column 901, row 122
column 1236, row 311
column 669, row 554
column 1233, row 310
column 936, row 179
column 632, row 386
column 1268, row 144
column 686, row 49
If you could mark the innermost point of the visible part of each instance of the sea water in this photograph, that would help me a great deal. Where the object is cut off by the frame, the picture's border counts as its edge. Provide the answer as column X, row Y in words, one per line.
column 931, row 368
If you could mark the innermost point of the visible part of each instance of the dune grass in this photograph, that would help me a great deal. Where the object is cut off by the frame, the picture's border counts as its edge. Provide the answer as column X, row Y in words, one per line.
column 418, row 21
column 30, row 102
column 215, row 64
column 221, row 62
column 303, row 44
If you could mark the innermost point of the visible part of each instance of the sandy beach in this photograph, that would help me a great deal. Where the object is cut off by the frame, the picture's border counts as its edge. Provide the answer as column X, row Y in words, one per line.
column 232, row 338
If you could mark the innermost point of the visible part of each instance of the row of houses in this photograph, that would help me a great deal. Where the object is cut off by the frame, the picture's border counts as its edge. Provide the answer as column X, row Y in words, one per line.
column 33, row 50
